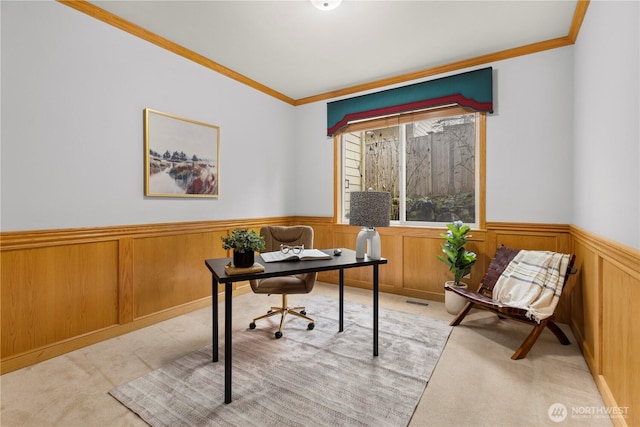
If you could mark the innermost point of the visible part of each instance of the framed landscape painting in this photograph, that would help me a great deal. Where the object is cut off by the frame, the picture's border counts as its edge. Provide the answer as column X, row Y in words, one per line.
column 181, row 156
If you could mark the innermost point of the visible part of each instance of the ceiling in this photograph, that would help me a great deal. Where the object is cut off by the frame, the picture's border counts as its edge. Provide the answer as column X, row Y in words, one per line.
column 299, row 51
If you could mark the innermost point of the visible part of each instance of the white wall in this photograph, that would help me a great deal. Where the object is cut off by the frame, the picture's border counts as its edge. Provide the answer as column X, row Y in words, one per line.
column 74, row 88
column 73, row 94
column 315, row 159
column 529, row 139
column 529, row 142
column 607, row 122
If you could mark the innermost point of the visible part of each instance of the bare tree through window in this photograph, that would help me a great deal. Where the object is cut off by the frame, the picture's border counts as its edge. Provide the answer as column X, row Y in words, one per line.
column 438, row 160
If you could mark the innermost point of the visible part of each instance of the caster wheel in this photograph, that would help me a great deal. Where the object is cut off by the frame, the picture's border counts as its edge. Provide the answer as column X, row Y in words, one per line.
column 278, row 335
column 303, row 312
column 252, row 325
column 269, row 311
column 311, row 326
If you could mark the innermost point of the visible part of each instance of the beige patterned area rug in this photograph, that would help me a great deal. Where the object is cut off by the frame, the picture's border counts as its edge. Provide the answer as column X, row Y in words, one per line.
column 316, row 377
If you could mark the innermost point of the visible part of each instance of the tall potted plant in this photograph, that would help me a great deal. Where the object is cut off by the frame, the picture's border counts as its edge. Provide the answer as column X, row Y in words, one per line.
column 244, row 244
column 459, row 260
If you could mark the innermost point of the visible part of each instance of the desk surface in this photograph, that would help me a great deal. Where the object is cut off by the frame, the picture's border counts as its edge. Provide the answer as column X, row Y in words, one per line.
column 272, row 269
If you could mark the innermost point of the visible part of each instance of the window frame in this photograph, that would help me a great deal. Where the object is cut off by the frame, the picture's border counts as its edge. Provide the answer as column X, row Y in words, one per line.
column 396, row 120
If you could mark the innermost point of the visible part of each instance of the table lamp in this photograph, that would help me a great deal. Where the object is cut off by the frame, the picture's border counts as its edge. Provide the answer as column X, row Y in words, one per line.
column 369, row 209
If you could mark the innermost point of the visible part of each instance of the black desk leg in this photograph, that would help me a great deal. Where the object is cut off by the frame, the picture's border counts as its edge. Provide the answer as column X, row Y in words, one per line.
column 228, row 294
column 375, row 309
column 214, row 315
column 341, row 298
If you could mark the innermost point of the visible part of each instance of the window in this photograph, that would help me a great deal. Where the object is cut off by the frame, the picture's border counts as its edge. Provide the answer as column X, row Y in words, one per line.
column 429, row 161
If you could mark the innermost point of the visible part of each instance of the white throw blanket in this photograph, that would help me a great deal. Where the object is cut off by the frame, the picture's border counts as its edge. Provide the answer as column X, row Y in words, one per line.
column 533, row 281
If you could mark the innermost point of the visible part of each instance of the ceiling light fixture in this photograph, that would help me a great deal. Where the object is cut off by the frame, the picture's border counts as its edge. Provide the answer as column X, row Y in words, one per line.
column 326, row 4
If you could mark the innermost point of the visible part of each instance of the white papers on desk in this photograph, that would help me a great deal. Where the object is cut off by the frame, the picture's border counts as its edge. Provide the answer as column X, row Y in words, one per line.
column 305, row 255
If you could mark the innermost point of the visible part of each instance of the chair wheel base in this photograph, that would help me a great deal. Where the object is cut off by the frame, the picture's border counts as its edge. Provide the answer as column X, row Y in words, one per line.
column 252, row 325
column 278, row 335
column 311, row 326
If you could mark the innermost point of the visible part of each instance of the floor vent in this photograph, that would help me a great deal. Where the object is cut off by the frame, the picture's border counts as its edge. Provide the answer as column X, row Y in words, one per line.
column 417, row 302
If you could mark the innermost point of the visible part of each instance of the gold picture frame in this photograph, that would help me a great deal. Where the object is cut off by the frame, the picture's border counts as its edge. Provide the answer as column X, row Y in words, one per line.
column 182, row 156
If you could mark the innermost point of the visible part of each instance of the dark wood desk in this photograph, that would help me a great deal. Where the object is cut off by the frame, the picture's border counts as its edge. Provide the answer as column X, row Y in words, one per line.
column 216, row 266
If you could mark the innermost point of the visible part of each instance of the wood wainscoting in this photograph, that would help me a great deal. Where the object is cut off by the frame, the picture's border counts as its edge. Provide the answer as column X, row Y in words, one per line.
column 415, row 271
column 605, row 320
column 65, row 289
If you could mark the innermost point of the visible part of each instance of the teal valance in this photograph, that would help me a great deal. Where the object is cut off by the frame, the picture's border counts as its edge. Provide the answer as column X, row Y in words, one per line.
column 472, row 90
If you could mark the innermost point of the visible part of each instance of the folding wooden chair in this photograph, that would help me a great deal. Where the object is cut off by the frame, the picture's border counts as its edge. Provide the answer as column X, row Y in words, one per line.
column 483, row 299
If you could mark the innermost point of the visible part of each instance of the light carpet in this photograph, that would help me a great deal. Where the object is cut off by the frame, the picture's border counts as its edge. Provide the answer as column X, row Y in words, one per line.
column 316, row 377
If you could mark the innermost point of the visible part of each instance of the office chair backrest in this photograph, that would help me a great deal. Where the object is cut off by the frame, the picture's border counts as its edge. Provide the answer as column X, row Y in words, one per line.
column 274, row 236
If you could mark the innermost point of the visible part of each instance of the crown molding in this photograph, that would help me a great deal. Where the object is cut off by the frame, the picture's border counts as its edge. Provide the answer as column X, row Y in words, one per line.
column 98, row 13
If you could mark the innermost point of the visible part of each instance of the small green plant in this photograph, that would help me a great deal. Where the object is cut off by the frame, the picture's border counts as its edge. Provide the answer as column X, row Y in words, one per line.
column 457, row 257
column 242, row 240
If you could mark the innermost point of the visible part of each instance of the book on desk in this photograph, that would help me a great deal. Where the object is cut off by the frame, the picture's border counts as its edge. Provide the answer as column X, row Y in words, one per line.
column 231, row 269
column 304, row 255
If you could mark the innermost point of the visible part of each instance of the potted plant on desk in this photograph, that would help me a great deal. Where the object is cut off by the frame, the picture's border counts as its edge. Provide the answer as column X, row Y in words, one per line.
column 459, row 261
column 244, row 244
